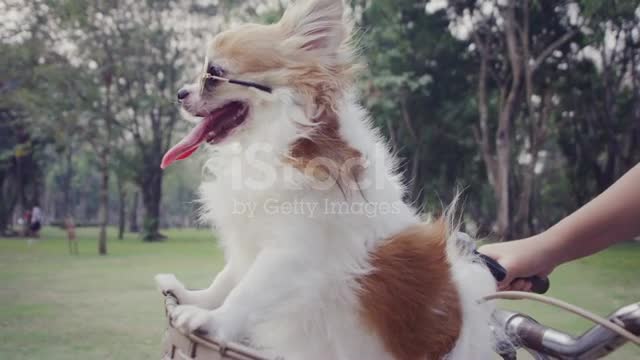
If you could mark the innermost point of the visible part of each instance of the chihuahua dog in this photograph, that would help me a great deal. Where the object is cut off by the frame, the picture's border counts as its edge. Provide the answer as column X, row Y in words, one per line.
column 324, row 260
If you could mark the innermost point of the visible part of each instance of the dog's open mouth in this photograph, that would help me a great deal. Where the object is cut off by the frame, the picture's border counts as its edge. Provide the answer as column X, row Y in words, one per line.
column 213, row 128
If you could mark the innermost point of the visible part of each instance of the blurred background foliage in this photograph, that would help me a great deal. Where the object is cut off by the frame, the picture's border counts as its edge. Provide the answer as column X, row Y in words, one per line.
column 532, row 107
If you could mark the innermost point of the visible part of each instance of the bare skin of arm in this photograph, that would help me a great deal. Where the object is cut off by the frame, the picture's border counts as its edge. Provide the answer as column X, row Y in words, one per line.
column 611, row 217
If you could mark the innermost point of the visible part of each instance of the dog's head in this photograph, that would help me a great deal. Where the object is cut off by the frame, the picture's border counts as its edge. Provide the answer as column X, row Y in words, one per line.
column 280, row 74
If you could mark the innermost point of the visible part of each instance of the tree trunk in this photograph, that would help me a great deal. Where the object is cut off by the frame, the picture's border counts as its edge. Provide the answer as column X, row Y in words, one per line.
column 537, row 133
column 151, row 197
column 498, row 164
column 104, row 202
column 105, row 153
column 6, row 208
column 521, row 65
column 501, row 193
column 503, row 135
column 22, row 182
column 481, row 132
column 522, row 222
column 133, row 213
column 67, row 208
column 122, row 198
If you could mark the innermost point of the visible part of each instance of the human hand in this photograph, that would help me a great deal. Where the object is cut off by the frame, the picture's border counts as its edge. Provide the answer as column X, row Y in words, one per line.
column 522, row 259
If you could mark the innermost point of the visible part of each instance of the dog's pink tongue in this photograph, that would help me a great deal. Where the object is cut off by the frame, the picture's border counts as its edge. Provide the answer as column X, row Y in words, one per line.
column 188, row 145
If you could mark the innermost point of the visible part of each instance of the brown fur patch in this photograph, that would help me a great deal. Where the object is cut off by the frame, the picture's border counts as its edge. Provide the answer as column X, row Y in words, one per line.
column 410, row 299
column 250, row 48
column 279, row 55
column 324, row 154
column 261, row 53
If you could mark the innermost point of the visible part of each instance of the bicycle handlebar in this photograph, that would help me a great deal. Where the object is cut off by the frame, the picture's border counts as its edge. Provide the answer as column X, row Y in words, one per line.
column 593, row 344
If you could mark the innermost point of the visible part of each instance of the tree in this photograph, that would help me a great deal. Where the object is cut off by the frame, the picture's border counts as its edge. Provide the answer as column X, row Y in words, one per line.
column 25, row 71
column 150, row 79
column 156, row 53
column 599, row 129
column 133, row 213
column 124, row 170
column 88, row 102
column 514, row 42
column 409, row 58
column 127, row 58
column 131, row 49
column 8, row 174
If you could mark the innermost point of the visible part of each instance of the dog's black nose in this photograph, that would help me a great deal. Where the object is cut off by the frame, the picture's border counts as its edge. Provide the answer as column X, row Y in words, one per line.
column 182, row 94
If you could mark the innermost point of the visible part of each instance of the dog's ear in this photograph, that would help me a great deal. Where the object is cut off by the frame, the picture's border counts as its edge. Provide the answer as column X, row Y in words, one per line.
column 316, row 26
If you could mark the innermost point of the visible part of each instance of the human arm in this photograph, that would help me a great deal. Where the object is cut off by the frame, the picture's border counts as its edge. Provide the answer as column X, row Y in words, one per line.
column 612, row 216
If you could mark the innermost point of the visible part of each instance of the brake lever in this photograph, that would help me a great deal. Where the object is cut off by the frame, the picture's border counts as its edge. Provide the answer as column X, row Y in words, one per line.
column 498, row 271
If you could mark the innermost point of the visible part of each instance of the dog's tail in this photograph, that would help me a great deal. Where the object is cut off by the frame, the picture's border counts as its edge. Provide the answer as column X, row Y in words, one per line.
column 474, row 281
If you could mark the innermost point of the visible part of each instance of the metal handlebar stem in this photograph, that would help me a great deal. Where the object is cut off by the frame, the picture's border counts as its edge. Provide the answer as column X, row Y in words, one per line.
column 546, row 343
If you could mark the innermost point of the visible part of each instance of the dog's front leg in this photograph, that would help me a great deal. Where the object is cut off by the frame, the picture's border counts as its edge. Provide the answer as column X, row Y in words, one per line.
column 209, row 298
column 267, row 283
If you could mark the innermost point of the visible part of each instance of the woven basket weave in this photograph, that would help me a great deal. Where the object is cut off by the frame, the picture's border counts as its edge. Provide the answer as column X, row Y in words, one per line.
column 180, row 346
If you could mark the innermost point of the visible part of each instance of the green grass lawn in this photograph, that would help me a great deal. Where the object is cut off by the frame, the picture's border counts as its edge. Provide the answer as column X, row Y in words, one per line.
column 55, row 306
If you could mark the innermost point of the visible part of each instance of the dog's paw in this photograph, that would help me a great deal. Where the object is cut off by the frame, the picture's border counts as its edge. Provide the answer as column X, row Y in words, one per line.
column 193, row 319
column 216, row 324
column 168, row 283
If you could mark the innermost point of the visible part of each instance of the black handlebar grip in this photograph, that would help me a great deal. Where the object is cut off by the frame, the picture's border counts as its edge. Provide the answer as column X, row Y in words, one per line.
column 539, row 285
column 498, row 272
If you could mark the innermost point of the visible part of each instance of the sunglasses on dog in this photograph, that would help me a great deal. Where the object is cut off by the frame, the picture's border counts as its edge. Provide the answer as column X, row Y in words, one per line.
column 206, row 75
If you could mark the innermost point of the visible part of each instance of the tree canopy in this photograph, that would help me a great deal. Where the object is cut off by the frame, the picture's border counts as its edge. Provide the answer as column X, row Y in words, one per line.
column 530, row 107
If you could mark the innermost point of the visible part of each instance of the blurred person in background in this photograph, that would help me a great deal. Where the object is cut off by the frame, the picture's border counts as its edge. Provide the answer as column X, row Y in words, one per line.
column 26, row 223
column 36, row 221
column 71, row 235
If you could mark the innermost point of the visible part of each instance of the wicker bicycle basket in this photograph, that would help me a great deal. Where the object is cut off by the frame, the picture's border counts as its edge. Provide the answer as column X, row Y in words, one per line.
column 180, row 346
